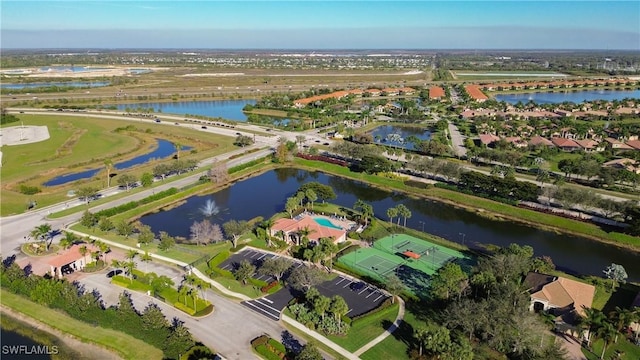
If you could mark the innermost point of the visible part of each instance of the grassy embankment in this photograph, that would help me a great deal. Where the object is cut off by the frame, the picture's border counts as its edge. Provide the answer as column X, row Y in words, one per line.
column 485, row 207
column 81, row 143
column 366, row 329
column 125, row 345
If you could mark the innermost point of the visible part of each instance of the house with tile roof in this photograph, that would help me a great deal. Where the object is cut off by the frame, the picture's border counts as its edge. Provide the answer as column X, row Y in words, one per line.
column 565, row 144
column 589, row 145
column 292, row 227
column 436, row 93
column 475, row 93
column 634, row 144
column 615, row 144
column 625, row 163
column 540, row 141
column 71, row 259
column 558, row 295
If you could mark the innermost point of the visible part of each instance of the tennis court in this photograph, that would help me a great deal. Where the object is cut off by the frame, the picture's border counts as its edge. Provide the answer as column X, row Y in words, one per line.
column 431, row 255
column 372, row 262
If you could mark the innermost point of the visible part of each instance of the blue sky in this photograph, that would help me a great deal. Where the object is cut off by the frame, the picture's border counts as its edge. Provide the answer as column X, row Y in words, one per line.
column 321, row 24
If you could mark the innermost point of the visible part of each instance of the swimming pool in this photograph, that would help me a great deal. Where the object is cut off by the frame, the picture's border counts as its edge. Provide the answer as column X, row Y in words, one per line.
column 326, row 223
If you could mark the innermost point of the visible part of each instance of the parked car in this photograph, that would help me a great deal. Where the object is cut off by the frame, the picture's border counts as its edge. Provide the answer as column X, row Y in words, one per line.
column 204, row 127
column 113, row 273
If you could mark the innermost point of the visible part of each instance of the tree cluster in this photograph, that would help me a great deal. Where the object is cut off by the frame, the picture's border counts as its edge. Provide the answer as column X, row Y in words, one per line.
column 315, row 306
column 504, row 188
column 150, row 325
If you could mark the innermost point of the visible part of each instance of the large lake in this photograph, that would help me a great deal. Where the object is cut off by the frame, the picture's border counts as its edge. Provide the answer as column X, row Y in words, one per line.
column 265, row 195
column 577, row 96
column 226, row 109
column 165, row 149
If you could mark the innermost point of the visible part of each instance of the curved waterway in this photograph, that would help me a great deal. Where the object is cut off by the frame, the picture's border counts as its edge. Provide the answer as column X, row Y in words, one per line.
column 165, row 149
column 265, row 194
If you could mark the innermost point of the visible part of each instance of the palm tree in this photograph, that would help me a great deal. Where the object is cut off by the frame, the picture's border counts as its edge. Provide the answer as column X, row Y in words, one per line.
column 267, row 225
column 404, row 212
column 104, row 249
column 83, row 251
column 68, row 240
column 178, row 147
column 303, row 233
column 145, row 258
column 108, row 164
column 42, row 232
column 183, row 292
column 365, row 209
column 592, row 320
column 621, row 318
column 391, row 213
column 606, row 332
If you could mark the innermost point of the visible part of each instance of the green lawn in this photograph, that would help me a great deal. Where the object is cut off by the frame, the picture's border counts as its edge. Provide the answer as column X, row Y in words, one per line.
column 125, row 345
column 397, row 345
column 366, row 329
column 80, row 143
column 626, row 349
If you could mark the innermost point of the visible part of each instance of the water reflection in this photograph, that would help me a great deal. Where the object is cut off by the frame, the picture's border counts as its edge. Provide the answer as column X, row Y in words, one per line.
column 266, row 194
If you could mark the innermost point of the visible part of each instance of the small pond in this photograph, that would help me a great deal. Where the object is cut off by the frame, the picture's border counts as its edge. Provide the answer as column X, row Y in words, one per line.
column 265, row 195
column 577, row 96
column 399, row 135
column 34, row 351
column 226, row 109
column 165, row 149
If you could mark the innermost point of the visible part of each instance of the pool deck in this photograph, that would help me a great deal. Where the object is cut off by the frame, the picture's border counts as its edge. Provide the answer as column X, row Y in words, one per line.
column 344, row 223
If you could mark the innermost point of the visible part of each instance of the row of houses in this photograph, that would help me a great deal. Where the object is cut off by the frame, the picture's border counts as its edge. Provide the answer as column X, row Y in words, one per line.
column 565, row 144
column 567, row 84
column 524, row 114
column 300, row 103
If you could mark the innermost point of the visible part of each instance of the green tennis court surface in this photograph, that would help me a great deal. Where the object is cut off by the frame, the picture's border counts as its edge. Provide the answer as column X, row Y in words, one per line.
column 413, row 260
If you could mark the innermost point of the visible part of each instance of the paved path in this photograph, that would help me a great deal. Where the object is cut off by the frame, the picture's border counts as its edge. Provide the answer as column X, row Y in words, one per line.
column 389, row 331
column 457, row 140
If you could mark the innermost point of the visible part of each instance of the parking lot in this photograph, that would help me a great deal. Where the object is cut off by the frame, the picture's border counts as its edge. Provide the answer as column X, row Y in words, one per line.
column 360, row 296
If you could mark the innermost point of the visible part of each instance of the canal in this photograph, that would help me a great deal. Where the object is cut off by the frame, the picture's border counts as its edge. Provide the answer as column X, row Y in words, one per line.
column 265, row 194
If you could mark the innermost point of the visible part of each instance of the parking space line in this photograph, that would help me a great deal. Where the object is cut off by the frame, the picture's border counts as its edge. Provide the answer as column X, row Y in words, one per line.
column 370, row 294
column 263, row 255
column 341, row 280
column 225, row 267
column 253, row 255
column 376, row 299
column 265, row 305
column 263, row 310
column 365, row 289
column 350, row 282
column 348, row 311
column 265, row 299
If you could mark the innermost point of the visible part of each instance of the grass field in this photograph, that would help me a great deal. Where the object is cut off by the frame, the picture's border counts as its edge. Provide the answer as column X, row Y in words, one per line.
column 78, row 143
column 366, row 329
column 125, row 345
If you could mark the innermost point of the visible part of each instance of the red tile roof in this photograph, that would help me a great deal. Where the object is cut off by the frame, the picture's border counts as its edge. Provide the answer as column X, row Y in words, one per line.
column 71, row 254
column 539, row 140
column 564, row 143
column 475, row 93
column 436, row 92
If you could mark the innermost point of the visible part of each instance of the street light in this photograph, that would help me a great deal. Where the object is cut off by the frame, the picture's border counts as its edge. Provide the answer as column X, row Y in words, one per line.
column 463, row 235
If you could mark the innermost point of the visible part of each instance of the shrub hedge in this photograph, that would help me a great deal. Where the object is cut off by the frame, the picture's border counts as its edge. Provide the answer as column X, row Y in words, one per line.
column 180, row 306
column 134, row 204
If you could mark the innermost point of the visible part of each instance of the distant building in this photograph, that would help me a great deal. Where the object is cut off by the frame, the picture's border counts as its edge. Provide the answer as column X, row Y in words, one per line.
column 71, row 260
column 292, row 228
column 475, row 93
column 436, row 93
